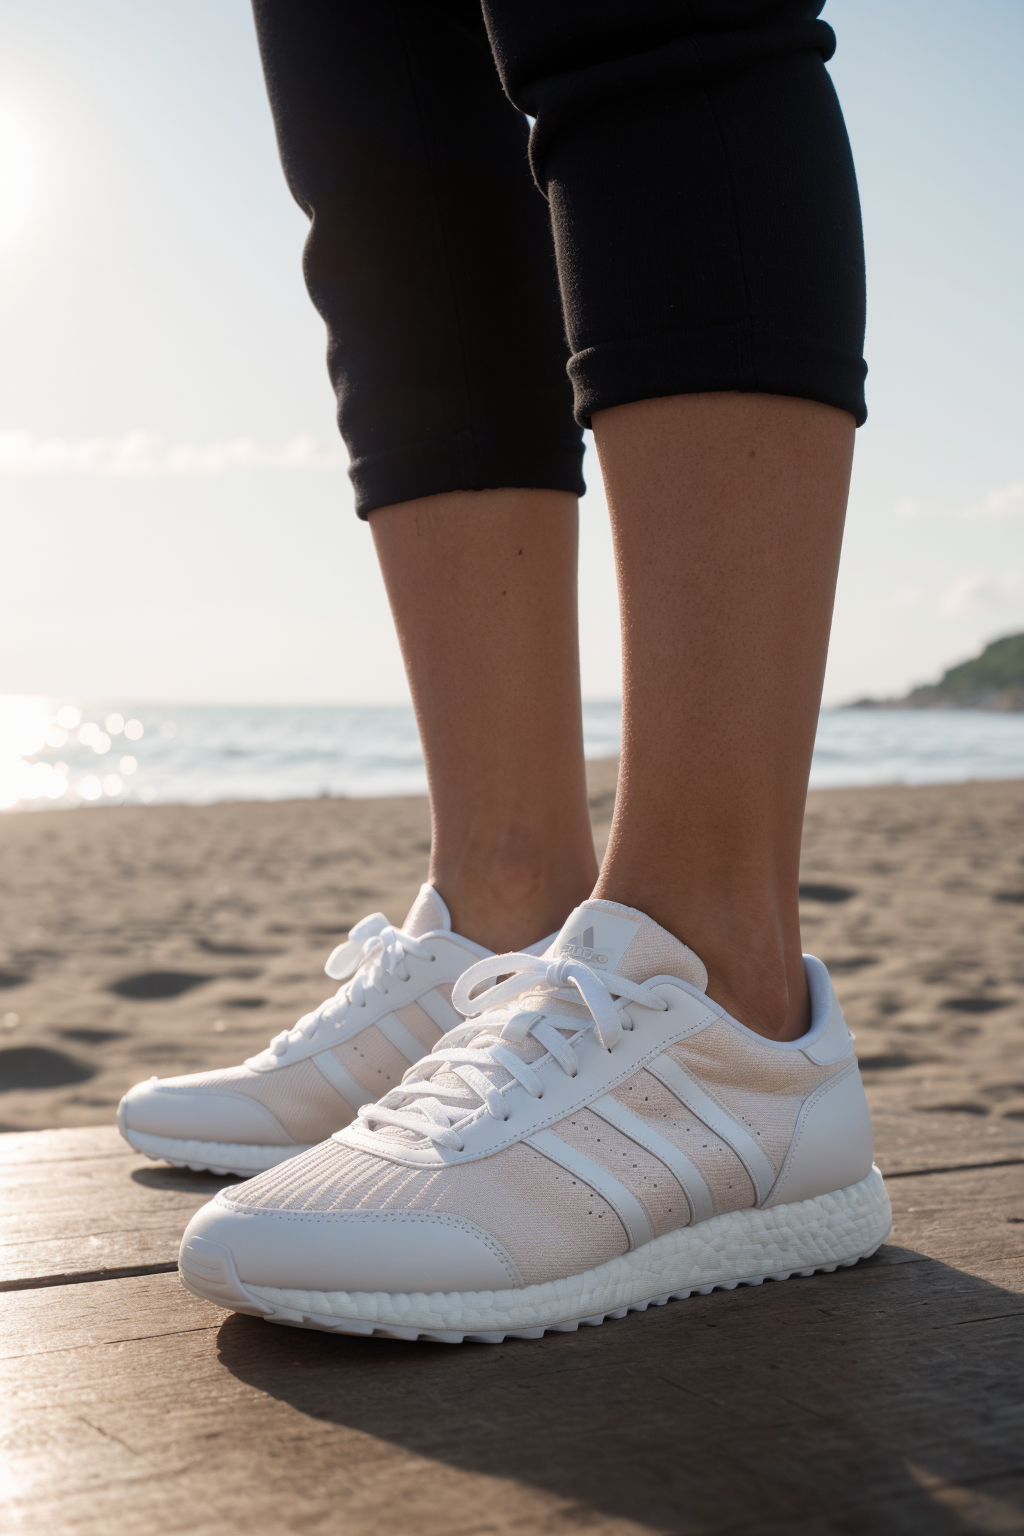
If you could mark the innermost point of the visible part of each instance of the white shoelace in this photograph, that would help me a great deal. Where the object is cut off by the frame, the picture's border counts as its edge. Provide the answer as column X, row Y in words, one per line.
column 479, row 1053
column 374, row 952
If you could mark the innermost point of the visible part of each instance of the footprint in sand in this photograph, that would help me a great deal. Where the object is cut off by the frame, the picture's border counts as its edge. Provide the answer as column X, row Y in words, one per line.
column 213, row 947
column 850, row 965
column 91, row 1036
column 976, row 1004
column 888, row 1061
column 34, row 1066
column 957, row 1109
column 151, row 984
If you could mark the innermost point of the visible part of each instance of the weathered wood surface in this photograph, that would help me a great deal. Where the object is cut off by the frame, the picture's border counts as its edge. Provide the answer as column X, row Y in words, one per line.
column 910, row 1140
column 884, row 1398
column 87, row 1203
column 81, row 1201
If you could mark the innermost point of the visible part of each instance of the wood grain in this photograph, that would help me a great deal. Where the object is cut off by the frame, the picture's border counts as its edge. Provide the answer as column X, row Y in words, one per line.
column 884, row 1398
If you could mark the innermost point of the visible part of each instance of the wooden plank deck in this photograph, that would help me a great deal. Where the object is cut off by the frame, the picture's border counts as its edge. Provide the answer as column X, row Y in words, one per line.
column 883, row 1398
column 886, row 1398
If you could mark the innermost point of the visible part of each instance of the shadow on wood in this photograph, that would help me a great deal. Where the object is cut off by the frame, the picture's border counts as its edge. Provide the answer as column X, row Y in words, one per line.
column 203, row 1184
column 881, row 1398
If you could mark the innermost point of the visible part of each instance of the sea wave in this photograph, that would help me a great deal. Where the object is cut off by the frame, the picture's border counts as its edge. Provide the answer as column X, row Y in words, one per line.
column 58, row 753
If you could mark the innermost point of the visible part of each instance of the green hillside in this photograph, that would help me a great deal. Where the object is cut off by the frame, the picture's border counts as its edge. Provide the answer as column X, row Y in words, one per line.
column 995, row 678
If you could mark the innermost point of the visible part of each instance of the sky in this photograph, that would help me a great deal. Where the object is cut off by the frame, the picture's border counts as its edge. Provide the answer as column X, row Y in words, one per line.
column 175, row 519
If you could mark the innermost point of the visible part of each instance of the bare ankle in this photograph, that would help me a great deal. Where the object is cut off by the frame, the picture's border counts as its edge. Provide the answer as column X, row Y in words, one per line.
column 508, row 901
column 752, row 954
column 763, row 999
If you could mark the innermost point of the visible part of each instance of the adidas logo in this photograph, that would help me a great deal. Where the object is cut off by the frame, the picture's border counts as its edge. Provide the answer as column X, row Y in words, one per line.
column 581, row 947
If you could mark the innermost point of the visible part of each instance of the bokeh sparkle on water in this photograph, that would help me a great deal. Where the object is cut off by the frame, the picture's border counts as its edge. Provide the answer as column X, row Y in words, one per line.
column 56, row 753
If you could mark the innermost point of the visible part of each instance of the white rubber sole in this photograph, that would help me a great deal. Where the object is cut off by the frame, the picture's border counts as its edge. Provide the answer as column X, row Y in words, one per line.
column 221, row 1157
column 739, row 1248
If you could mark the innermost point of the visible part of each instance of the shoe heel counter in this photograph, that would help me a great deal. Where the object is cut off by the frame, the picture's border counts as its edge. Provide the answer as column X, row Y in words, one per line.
column 832, row 1144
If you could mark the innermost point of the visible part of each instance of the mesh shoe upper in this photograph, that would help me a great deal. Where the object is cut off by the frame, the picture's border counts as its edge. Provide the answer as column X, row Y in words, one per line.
column 564, row 1150
column 393, row 1005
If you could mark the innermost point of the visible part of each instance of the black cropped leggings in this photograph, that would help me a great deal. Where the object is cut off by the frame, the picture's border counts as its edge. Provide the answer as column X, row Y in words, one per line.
column 682, row 217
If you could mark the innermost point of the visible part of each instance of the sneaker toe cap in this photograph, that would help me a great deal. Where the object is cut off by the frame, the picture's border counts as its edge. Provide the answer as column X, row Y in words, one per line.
column 197, row 1112
column 390, row 1251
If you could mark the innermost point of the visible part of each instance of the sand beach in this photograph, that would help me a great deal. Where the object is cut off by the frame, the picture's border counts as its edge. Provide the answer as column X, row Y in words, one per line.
column 166, row 939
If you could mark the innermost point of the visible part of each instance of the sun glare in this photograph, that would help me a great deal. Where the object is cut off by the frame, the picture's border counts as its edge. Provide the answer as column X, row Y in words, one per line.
column 37, row 735
column 17, row 177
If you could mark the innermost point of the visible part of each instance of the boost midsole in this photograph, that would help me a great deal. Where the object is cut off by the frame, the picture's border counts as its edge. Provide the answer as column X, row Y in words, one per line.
column 233, row 1155
column 831, row 1229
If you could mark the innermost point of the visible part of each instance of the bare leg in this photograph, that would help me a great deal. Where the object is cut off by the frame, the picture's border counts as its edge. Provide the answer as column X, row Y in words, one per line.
column 727, row 513
column 482, row 585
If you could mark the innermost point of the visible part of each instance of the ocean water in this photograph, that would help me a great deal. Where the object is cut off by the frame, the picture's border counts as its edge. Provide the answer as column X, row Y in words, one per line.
column 65, row 753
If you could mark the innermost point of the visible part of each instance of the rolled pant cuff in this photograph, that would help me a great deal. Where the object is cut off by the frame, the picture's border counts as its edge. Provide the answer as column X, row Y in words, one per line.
column 741, row 355
column 465, row 462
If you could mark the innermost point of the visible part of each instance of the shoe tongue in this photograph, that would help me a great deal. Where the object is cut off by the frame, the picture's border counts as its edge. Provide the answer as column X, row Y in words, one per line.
column 427, row 914
column 609, row 937
column 605, row 936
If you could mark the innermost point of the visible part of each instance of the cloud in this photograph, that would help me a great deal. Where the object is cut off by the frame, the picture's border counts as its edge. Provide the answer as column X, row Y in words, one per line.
column 143, row 453
column 1004, row 501
column 977, row 593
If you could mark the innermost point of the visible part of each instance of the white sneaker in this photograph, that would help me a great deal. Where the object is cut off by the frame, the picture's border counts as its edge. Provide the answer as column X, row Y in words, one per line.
column 602, row 1137
column 393, row 1006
